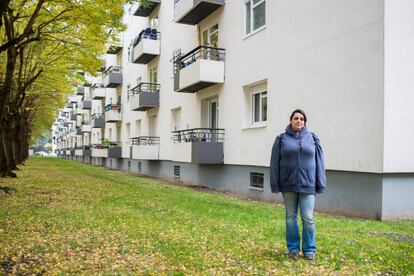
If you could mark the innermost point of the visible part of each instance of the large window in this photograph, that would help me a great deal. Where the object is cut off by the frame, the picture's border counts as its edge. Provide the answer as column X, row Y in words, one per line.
column 259, row 107
column 255, row 15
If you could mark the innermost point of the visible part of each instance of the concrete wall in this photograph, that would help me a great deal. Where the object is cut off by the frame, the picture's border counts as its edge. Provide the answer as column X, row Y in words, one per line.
column 399, row 86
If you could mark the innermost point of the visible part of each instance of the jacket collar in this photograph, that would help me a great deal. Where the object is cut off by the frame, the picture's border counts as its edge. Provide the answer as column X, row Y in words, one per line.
column 289, row 130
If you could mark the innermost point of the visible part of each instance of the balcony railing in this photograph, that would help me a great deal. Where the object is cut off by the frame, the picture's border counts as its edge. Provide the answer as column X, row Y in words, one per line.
column 145, row 10
column 113, row 76
column 214, row 135
column 200, row 68
column 145, row 96
column 193, row 12
column 199, row 145
column 145, row 140
column 146, row 46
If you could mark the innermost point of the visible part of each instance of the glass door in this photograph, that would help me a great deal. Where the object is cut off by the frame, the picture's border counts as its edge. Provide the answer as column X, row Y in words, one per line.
column 210, row 39
column 213, row 110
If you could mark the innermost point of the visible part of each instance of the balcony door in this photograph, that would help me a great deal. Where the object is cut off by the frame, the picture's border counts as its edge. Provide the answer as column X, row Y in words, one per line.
column 213, row 116
column 210, row 39
column 153, row 78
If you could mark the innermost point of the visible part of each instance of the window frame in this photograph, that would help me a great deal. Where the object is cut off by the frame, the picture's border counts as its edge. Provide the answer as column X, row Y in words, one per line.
column 251, row 27
column 262, row 95
column 254, row 185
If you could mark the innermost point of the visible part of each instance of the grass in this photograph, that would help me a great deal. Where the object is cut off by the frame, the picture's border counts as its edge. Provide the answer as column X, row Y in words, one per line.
column 61, row 217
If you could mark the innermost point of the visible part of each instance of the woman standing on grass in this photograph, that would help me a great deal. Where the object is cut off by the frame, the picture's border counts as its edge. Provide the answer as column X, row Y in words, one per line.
column 297, row 170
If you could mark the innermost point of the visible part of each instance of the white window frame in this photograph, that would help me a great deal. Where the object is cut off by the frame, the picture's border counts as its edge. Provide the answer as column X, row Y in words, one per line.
column 252, row 6
column 263, row 94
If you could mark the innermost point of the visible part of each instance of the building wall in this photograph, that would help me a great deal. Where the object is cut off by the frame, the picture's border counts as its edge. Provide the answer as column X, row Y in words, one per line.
column 348, row 64
column 399, row 86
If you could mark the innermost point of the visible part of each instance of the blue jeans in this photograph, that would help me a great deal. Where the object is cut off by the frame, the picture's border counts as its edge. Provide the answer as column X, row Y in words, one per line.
column 306, row 204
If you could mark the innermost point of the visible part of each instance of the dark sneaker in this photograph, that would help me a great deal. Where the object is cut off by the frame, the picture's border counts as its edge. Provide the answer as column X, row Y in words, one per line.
column 294, row 256
column 310, row 257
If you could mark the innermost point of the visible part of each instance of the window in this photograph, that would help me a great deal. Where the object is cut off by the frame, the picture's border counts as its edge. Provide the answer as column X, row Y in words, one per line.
column 259, row 107
column 130, row 53
column 255, row 15
column 177, row 172
column 139, row 166
column 256, row 180
column 129, row 165
column 128, row 91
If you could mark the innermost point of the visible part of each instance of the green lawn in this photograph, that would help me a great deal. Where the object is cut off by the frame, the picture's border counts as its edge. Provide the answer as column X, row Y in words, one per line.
column 67, row 217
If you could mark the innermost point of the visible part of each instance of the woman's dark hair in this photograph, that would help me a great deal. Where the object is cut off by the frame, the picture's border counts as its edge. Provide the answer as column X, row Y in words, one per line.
column 298, row 111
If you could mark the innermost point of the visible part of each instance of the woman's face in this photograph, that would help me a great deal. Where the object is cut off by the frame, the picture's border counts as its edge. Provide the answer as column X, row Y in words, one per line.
column 297, row 122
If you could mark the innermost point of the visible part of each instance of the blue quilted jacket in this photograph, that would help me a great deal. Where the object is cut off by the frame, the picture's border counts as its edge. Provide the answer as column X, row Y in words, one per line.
column 297, row 163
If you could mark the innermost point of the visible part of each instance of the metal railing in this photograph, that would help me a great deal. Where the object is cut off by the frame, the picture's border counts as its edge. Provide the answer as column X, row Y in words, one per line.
column 145, row 87
column 198, row 135
column 145, row 140
column 201, row 52
column 113, row 107
column 97, row 116
column 97, row 85
column 113, row 69
column 147, row 33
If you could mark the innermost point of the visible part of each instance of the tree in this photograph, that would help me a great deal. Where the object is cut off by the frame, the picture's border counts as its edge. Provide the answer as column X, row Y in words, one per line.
column 43, row 44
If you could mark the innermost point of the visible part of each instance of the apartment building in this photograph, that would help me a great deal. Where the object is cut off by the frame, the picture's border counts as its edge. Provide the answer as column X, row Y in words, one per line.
column 197, row 91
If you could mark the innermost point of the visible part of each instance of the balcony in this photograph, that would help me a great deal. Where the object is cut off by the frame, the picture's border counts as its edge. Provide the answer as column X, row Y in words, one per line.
column 83, row 151
column 191, row 12
column 73, row 99
column 111, row 151
column 86, row 127
column 113, row 113
column 146, row 10
column 98, row 91
column 145, row 96
column 80, row 91
column 199, row 69
column 199, row 145
column 99, row 152
column 98, row 120
column 113, row 77
column 146, row 46
column 145, row 147
column 73, row 117
column 86, row 104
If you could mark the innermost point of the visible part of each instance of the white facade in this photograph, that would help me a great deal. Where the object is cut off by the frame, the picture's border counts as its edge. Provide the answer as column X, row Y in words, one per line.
column 348, row 64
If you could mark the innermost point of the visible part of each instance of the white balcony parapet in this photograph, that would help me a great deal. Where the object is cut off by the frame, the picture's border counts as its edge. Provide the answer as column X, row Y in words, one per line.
column 145, row 147
column 86, row 128
column 98, row 92
column 146, row 46
column 113, row 113
column 99, row 152
column 199, row 69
